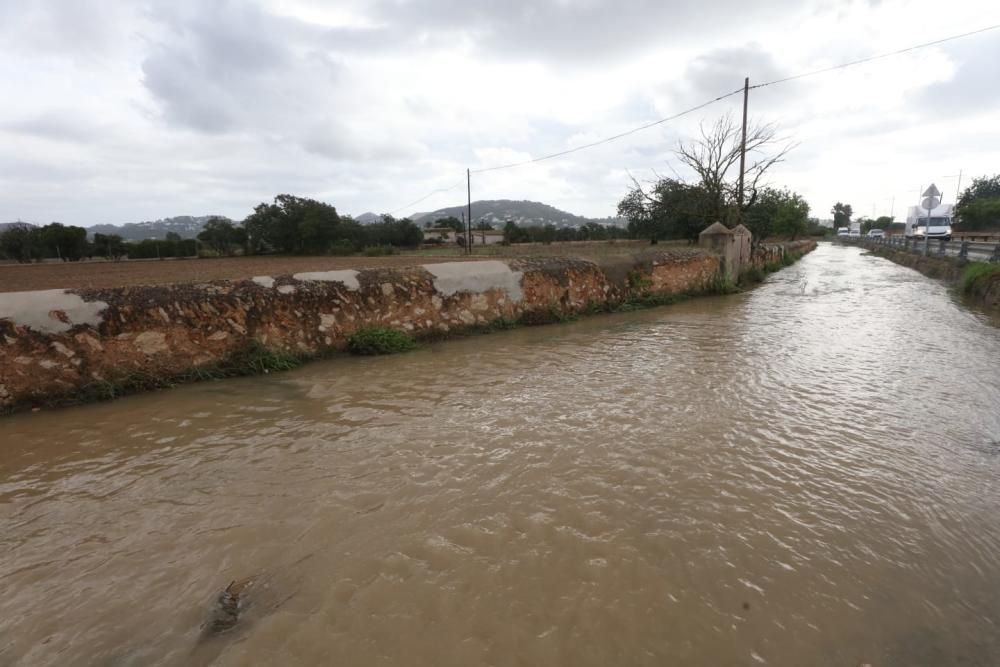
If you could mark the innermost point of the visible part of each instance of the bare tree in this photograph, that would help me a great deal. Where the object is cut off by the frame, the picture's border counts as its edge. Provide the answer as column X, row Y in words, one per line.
column 715, row 158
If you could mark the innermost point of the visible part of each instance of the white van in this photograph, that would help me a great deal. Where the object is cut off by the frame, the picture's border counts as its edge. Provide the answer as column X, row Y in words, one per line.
column 917, row 226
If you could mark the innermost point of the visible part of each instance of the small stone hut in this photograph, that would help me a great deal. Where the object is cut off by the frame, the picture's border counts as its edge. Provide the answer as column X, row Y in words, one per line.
column 719, row 238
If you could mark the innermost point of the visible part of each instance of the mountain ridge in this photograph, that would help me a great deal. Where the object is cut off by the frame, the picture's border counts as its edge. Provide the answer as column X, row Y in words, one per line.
column 523, row 212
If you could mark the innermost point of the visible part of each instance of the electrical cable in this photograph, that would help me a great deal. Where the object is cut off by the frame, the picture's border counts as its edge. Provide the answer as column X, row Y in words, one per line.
column 427, row 196
column 609, row 139
column 702, row 106
column 877, row 57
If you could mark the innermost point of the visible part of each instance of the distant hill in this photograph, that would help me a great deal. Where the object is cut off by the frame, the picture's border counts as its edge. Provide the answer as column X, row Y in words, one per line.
column 4, row 226
column 368, row 218
column 186, row 225
column 524, row 213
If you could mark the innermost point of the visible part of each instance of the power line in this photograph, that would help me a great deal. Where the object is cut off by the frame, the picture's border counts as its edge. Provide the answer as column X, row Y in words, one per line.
column 878, row 57
column 573, row 150
column 702, row 106
column 427, row 196
column 609, row 139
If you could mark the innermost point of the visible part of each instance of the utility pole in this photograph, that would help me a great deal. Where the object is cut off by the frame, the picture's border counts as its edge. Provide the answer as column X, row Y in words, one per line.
column 743, row 144
column 468, row 185
column 958, row 188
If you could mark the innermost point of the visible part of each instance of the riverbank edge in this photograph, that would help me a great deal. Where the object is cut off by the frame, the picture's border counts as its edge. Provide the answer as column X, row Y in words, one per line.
column 69, row 347
column 982, row 290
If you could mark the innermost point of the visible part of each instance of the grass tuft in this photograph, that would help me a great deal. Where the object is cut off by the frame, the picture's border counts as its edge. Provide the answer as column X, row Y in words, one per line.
column 379, row 340
column 977, row 277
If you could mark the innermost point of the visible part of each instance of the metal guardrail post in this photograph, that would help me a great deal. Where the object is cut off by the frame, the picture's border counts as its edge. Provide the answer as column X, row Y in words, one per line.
column 996, row 253
column 963, row 252
column 941, row 248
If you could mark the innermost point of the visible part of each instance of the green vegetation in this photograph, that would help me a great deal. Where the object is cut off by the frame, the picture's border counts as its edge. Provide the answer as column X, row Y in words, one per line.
column 28, row 243
column 979, row 206
column 253, row 359
column 881, row 222
column 374, row 340
column 841, row 215
column 222, row 236
column 299, row 226
column 669, row 208
column 978, row 276
column 757, row 274
column 777, row 213
column 590, row 231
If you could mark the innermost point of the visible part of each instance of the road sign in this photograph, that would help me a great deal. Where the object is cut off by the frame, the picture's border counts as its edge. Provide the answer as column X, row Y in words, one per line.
column 930, row 202
column 932, row 192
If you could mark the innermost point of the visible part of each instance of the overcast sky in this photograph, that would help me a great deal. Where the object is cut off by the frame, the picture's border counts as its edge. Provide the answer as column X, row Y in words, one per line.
column 136, row 110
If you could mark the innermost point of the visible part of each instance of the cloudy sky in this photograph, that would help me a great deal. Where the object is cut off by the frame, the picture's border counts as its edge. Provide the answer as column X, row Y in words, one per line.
column 140, row 109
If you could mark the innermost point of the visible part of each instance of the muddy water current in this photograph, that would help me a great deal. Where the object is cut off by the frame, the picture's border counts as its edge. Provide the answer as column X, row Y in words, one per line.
column 804, row 474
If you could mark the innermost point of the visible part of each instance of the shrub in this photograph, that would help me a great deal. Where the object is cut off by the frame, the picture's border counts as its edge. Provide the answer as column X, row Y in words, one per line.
column 977, row 277
column 638, row 282
column 379, row 340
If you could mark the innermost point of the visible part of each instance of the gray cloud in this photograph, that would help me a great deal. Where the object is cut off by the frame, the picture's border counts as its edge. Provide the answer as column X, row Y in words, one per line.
column 223, row 103
column 577, row 31
column 59, row 125
column 975, row 87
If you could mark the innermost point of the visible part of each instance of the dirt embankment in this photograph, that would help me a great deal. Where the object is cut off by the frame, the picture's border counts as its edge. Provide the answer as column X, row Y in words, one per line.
column 942, row 268
column 983, row 291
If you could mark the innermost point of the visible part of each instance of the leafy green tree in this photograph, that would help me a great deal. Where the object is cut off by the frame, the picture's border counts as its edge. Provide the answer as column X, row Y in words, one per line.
column 67, row 243
column 173, row 237
column 451, row 222
column 222, row 236
column 979, row 205
column 514, row 233
column 401, row 233
column 21, row 242
column 841, row 215
column 777, row 213
column 792, row 217
column 295, row 225
column 669, row 210
column 110, row 246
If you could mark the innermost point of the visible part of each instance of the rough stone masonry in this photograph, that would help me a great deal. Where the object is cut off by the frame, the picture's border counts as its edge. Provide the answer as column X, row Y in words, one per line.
column 53, row 343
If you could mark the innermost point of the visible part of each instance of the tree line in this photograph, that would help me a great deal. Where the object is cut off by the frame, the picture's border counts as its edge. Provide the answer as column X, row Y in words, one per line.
column 288, row 225
column 27, row 243
column 978, row 207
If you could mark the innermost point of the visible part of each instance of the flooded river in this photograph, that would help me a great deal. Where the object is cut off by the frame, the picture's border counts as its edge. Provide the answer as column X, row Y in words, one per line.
column 804, row 474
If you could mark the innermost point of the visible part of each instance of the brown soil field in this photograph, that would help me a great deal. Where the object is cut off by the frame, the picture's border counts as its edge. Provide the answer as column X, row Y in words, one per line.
column 130, row 273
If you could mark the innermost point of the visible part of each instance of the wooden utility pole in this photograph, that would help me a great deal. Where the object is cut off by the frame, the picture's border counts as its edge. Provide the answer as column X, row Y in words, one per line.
column 468, row 185
column 743, row 143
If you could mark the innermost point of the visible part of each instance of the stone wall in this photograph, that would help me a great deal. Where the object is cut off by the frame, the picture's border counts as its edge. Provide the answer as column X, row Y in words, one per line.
column 55, row 344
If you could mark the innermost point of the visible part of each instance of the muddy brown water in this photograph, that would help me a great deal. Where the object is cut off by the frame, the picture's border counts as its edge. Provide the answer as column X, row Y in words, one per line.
column 805, row 474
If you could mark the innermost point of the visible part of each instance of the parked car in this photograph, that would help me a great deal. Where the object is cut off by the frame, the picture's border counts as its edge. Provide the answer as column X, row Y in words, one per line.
column 843, row 231
column 876, row 233
column 855, row 234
